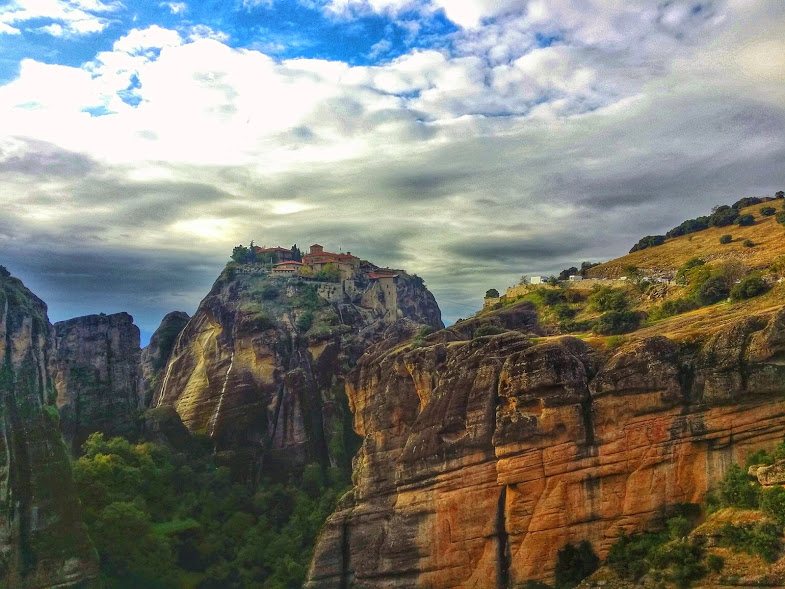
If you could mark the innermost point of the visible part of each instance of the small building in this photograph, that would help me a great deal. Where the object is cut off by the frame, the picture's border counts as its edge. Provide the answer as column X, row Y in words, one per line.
column 276, row 254
column 538, row 280
column 346, row 264
column 575, row 277
column 286, row 268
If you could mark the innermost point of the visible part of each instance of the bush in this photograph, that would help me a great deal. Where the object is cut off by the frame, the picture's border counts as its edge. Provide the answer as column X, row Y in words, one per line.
column 772, row 503
column 572, row 326
column 747, row 201
column 727, row 238
column 712, row 290
column 617, row 322
column 736, row 489
column 487, row 329
column 723, row 216
column 762, row 539
column 605, row 298
column 745, row 220
column 768, row 211
column 305, row 321
column 780, row 217
column 648, row 241
column 689, row 226
column 629, row 556
column 714, row 563
column 564, row 312
column 682, row 274
column 491, row 293
column 751, row 286
column 748, row 243
column 673, row 307
column 573, row 564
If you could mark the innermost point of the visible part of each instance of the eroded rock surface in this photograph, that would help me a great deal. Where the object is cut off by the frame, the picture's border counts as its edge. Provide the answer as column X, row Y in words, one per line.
column 155, row 356
column 97, row 376
column 482, row 458
column 43, row 542
column 259, row 368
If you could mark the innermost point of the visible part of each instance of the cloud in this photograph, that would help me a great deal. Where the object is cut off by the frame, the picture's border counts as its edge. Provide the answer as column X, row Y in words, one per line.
column 71, row 18
column 175, row 7
column 535, row 138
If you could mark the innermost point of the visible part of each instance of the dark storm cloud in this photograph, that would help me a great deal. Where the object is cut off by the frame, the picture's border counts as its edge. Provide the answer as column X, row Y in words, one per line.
column 41, row 160
column 543, row 248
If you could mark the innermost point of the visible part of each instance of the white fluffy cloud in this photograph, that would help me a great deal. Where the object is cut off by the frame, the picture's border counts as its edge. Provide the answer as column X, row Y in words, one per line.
column 73, row 17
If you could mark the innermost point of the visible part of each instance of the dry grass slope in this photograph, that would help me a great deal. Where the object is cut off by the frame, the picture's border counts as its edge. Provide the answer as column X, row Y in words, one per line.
column 768, row 235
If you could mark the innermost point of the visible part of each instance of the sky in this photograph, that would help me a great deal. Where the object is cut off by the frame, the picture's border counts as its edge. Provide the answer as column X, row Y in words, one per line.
column 468, row 141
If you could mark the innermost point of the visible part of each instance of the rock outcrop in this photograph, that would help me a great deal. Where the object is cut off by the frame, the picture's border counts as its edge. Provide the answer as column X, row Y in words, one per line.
column 43, row 542
column 482, row 458
column 156, row 354
column 259, row 368
column 97, row 376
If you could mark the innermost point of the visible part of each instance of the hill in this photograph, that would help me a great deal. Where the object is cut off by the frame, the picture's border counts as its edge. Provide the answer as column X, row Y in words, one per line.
column 687, row 288
column 766, row 233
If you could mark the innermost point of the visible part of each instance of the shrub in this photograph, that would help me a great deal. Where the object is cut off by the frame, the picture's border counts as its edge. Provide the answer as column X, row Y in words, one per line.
column 751, row 286
column 762, row 539
column 673, row 307
column 723, row 216
column 689, row 226
column 714, row 563
column 573, row 564
column 305, row 321
column 572, row 326
column 605, row 298
column 680, row 561
column 780, row 217
column 684, row 270
column 648, row 241
column 712, row 290
column 745, row 220
column 487, row 329
column 628, row 556
column 748, row 243
column 491, row 293
column 727, row 238
column 736, row 490
column 772, row 503
column 747, row 201
column 269, row 292
column 768, row 211
column 617, row 322
column 563, row 311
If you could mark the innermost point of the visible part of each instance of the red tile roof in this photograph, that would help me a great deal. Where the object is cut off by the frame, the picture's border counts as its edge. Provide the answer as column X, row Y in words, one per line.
column 374, row 275
column 264, row 250
column 288, row 263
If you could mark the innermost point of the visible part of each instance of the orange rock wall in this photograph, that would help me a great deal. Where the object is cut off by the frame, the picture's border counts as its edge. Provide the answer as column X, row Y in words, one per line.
column 481, row 459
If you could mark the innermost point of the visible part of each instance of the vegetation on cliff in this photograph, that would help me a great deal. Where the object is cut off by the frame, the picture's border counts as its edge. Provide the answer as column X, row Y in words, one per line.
column 165, row 518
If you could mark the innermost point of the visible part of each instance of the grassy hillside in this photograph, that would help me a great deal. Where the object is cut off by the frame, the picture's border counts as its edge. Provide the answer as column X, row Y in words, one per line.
column 686, row 288
column 767, row 234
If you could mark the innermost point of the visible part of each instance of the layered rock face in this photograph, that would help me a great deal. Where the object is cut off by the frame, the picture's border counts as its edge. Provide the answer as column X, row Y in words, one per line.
column 156, row 354
column 43, row 542
column 97, row 376
column 482, row 458
column 259, row 368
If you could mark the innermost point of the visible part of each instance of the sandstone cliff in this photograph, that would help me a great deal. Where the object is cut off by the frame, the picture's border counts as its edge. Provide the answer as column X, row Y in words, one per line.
column 156, row 354
column 43, row 542
column 259, row 368
column 97, row 376
column 481, row 458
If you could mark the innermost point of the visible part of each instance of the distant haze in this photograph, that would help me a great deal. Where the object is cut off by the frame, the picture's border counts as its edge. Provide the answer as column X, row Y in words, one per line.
column 469, row 142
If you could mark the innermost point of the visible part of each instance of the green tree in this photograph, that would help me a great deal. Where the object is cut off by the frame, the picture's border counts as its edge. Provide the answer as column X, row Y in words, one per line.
column 726, row 239
column 575, row 563
column 745, row 220
column 491, row 293
column 768, row 211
